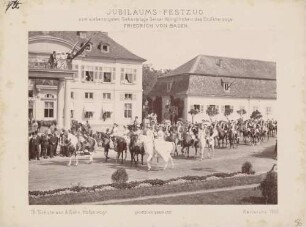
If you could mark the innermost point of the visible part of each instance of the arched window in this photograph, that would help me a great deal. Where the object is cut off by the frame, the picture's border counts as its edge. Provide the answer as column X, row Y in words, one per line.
column 49, row 96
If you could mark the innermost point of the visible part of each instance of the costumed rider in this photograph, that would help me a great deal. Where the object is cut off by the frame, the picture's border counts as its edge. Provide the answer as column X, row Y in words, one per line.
column 160, row 133
column 206, row 131
column 114, row 131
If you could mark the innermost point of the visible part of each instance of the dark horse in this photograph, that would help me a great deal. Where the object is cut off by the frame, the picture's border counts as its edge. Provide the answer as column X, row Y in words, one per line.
column 222, row 136
column 120, row 146
column 136, row 149
column 173, row 137
column 105, row 144
column 233, row 138
column 187, row 142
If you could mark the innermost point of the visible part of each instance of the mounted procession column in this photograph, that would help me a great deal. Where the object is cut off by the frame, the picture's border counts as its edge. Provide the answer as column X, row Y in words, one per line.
column 60, row 103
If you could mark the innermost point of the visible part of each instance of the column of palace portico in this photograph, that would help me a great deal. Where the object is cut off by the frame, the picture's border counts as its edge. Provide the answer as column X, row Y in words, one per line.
column 63, row 100
column 67, row 121
column 60, row 103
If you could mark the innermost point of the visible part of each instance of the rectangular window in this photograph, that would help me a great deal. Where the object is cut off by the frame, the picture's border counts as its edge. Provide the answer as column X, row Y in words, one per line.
column 227, row 107
column 31, row 94
column 88, row 115
column 106, row 96
column 214, row 107
column 71, row 114
column 128, row 76
column 89, row 75
column 169, row 86
column 128, row 110
column 49, row 109
column 268, row 110
column 72, row 95
column 88, row 95
column 128, row 96
column 107, row 77
column 106, row 114
column 82, row 72
column 196, row 107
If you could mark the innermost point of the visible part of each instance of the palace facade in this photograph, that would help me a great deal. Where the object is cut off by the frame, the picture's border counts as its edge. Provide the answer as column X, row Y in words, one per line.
column 103, row 85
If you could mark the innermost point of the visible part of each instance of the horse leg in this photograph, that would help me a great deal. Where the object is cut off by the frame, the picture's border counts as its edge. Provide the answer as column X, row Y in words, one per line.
column 117, row 158
column 69, row 164
column 132, row 157
column 188, row 152
column 166, row 165
column 76, row 159
column 148, row 161
column 172, row 163
column 91, row 157
column 202, row 151
column 212, row 150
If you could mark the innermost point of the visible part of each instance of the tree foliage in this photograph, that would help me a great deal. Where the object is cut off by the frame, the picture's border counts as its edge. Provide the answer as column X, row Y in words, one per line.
column 149, row 77
column 228, row 111
column 241, row 112
column 256, row 115
column 212, row 111
column 193, row 112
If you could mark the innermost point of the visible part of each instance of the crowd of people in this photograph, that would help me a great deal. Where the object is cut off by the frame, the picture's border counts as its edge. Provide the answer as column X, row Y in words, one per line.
column 48, row 144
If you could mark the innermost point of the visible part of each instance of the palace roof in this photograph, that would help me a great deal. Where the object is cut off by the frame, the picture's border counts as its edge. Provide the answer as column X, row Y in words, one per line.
column 227, row 67
column 205, row 76
column 116, row 51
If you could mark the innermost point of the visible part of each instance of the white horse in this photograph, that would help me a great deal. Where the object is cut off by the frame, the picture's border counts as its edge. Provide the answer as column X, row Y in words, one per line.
column 74, row 144
column 157, row 147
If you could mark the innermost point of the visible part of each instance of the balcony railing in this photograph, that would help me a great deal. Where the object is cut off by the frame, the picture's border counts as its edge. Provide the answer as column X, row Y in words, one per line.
column 58, row 64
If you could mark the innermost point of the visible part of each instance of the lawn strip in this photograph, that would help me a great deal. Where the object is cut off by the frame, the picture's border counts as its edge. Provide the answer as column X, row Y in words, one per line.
column 83, row 197
column 238, row 196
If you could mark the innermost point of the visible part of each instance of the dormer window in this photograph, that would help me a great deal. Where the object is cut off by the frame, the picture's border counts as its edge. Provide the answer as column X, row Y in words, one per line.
column 219, row 62
column 82, row 35
column 104, row 47
column 88, row 46
column 226, row 86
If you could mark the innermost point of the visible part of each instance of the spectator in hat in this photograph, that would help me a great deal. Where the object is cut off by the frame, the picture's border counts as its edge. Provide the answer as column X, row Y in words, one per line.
column 52, row 144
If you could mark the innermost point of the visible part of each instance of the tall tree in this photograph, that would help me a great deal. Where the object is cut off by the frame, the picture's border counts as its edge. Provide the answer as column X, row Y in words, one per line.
column 241, row 112
column 149, row 77
column 227, row 112
column 193, row 112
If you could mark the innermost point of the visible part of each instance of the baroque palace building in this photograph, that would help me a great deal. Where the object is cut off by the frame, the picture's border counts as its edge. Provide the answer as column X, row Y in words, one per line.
column 103, row 85
column 220, row 82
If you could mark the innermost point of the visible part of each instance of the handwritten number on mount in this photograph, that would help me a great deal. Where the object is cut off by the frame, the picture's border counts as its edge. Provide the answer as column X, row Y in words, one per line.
column 14, row 4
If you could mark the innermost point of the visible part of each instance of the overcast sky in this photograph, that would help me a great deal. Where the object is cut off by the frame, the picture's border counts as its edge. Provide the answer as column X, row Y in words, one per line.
column 169, row 49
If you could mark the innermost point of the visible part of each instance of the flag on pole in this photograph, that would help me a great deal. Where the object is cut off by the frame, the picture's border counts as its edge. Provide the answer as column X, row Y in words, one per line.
column 80, row 51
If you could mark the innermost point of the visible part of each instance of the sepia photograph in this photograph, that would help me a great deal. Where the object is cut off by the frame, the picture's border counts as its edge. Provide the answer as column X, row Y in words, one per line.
column 107, row 128
column 164, row 113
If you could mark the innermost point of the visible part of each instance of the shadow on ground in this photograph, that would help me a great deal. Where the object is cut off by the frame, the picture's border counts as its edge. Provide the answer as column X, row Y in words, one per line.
column 269, row 152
